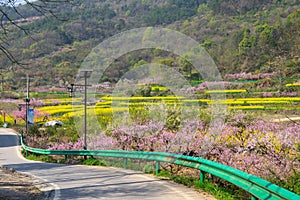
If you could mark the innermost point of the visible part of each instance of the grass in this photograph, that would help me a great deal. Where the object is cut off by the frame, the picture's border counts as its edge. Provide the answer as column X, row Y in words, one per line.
column 43, row 158
column 93, row 162
column 223, row 193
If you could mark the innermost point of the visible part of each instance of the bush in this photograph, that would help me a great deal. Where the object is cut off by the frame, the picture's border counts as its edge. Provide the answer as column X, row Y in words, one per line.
column 33, row 130
column 43, row 158
column 148, row 168
column 93, row 162
column 292, row 183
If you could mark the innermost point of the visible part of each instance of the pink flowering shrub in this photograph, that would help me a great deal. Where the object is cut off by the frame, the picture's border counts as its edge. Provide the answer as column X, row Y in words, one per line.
column 102, row 142
column 210, row 85
column 139, row 137
column 280, row 94
column 249, row 76
column 21, row 114
column 77, row 145
column 36, row 102
column 105, row 87
column 262, row 148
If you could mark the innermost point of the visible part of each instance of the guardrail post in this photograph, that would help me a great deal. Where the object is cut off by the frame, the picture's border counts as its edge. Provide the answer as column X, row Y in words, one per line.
column 22, row 141
column 125, row 163
column 253, row 198
column 21, row 137
column 202, row 174
column 157, row 166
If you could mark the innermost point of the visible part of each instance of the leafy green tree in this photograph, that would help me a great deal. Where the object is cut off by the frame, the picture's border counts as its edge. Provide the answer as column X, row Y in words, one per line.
column 139, row 63
column 292, row 30
column 267, row 35
column 247, row 42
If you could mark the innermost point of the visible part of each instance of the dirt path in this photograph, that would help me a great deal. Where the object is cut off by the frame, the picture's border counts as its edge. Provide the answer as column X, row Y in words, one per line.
column 17, row 186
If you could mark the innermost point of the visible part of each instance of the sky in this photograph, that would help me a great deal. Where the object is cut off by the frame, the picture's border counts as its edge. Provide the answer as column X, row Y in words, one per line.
column 16, row 2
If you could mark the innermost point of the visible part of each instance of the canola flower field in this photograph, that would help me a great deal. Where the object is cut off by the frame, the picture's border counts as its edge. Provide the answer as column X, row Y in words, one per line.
column 107, row 105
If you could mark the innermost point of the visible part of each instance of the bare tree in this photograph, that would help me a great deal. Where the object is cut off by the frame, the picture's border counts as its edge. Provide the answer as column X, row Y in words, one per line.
column 11, row 15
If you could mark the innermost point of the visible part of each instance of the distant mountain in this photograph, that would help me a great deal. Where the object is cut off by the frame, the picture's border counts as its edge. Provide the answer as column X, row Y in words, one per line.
column 241, row 36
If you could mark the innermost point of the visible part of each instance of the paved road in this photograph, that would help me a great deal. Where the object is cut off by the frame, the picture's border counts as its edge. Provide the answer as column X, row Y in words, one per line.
column 83, row 182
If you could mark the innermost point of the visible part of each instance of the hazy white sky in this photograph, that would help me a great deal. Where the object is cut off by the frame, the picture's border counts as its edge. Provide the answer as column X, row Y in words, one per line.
column 16, row 2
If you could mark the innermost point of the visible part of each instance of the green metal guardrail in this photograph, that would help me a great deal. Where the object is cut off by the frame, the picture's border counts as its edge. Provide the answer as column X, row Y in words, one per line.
column 257, row 187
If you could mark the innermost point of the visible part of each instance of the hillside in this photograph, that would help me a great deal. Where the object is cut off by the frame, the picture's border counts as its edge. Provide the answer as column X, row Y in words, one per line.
column 241, row 36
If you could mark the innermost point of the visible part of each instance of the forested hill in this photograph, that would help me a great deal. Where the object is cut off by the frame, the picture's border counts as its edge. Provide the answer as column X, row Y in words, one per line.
column 241, row 36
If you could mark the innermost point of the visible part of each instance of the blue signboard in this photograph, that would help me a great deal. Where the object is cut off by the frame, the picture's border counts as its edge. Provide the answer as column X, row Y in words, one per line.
column 30, row 116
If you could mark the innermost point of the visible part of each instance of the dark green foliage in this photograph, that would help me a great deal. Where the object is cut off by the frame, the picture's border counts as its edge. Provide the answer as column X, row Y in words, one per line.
column 33, row 130
column 94, row 162
column 298, row 151
column 51, row 131
column 149, row 168
column 43, row 158
column 164, row 16
column 241, row 36
column 144, row 91
column 292, row 183
column 173, row 120
column 173, row 11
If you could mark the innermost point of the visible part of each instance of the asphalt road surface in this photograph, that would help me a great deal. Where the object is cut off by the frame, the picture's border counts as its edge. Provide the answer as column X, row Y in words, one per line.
column 84, row 182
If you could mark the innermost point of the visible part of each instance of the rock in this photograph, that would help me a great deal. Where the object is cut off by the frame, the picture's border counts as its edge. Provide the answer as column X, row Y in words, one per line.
column 12, row 170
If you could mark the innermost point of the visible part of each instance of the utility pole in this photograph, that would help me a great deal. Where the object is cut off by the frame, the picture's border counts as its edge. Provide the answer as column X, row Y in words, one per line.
column 85, row 73
column 71, row 90
column 27, row 101
column 1, row 83
column 1, row 93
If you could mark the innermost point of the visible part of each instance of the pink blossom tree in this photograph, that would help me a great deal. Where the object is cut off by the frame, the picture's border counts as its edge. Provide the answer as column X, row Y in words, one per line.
column 21, row 114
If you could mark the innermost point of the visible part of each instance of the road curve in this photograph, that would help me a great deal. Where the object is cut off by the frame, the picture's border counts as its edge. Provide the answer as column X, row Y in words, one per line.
column 84, row 182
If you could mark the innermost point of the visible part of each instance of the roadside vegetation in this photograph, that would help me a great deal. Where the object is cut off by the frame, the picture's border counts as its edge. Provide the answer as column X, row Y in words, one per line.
column 249, row 139
column 256, row 48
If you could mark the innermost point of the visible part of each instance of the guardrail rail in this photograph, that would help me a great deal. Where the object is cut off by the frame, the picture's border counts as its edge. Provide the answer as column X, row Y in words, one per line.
column 257, row 187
